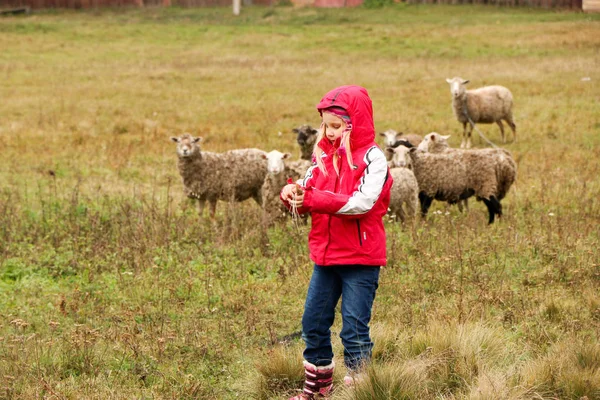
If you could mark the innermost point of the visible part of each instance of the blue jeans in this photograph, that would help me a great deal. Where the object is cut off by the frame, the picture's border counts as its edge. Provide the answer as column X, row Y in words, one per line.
column 356, row 284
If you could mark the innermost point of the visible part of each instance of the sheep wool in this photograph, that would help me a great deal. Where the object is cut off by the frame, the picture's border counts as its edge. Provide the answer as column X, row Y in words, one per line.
column 486, row 105
column 391, row 137
column 235, row 175
column 277, row 175
column 505, row 165
column 404, row 194
column 306, row 136
column 456, row 175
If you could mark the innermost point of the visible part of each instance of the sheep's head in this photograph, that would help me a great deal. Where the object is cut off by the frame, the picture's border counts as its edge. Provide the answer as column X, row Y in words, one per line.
column 390, row 137
column 434, row 143
column 306, row 136
column 275, row 164
column 401, row 156
column 457, row 86
column 187, row 145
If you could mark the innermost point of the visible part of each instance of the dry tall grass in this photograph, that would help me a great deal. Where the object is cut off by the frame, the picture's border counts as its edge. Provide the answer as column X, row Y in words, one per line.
column 110, row 286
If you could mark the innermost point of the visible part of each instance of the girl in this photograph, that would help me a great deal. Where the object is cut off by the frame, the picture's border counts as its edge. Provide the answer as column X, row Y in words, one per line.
column 347, row 193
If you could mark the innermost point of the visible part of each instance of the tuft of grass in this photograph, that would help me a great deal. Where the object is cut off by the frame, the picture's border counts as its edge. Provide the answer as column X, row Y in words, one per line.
column 387, row 381
column 570, row 369
column 279, row 373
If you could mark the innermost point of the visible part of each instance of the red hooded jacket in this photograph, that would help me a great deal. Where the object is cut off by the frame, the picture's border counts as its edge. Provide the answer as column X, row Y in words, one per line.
column 347, row 210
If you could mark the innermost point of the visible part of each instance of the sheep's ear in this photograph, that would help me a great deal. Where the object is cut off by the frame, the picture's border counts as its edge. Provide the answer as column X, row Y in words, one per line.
column 389, row 150
column 314, row 131
column 197, row 139
column 465, row 82
column 381, row 134
column 446, row 137
column 448, row 80
column 432, row 138
column 399, row 134
column 412, row 150
column 263, row 156
column 295, row 130
column 175, row 139
column 286, row 155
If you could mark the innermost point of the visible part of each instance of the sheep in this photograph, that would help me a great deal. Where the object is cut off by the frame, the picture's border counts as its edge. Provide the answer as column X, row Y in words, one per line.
column 484, row 105
column 273, row 208
column 234, row 175
column 405, row 189
column 506, row 167
column 306, row 136
column 391, row 138
column 399, row 155
column 457, row 175
column 434, row 143
column 297, row 169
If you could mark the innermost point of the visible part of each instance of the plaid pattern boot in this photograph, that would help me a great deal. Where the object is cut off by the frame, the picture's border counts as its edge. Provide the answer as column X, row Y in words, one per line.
column 318, row 382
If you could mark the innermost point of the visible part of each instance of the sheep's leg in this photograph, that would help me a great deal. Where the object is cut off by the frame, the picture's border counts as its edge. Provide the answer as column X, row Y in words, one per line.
column 411, row 207
column 466, row 203
column 499, row 122
column 464, row 136
column 512, row 125
column 425, row 203
column 494, row 207
column 201, row 207
column 469, row 132
column 258, row 198
column 400, row 214
column 498, row 206
column 213, row 208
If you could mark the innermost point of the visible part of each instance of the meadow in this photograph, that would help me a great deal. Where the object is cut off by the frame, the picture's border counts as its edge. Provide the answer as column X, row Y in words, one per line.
column 112, row 287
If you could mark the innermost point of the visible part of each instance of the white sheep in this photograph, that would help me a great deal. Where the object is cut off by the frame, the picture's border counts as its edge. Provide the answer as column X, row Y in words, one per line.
column 277, row 175
column 234, row 175
column 484, row 105
column 391, row 137
column 434, row 143
column 405, row 190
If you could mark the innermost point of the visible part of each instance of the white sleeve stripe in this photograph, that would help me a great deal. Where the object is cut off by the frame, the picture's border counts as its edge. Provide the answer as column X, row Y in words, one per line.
column 371, row 184
column 308, row 176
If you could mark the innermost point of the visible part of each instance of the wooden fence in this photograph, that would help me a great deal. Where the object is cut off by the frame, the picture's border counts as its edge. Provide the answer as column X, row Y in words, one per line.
column 77, row 4
column 573, row 4
column 37, row 4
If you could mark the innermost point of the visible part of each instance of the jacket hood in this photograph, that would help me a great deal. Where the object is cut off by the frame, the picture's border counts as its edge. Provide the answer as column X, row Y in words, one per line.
column 357, row 103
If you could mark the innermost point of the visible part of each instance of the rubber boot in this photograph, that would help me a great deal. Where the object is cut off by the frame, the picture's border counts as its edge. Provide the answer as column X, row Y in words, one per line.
column 318, row 382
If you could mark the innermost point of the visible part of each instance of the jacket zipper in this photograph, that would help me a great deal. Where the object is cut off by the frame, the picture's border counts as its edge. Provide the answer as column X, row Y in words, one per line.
column 358, row 227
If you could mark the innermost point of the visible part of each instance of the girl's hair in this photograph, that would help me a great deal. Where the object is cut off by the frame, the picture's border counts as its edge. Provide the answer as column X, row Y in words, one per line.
column 318, row 152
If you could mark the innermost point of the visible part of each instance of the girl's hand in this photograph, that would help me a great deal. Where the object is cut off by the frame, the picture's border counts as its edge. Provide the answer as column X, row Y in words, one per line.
column 294, row 194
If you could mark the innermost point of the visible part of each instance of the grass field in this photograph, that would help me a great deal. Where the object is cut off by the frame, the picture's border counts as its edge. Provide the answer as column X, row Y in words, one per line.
column 111, row 287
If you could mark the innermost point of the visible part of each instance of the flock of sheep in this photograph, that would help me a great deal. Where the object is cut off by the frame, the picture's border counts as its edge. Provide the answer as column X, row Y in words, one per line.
column 423, row 169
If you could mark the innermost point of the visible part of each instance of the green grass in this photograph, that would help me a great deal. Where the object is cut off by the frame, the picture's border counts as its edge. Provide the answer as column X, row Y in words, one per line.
column 111, row 287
